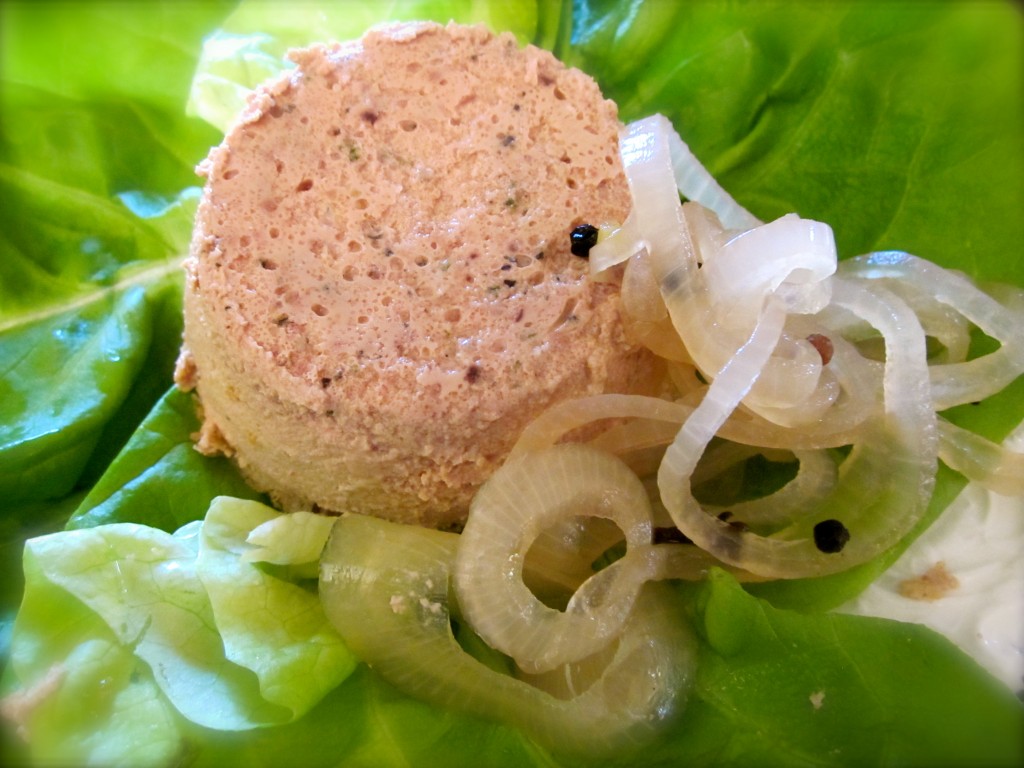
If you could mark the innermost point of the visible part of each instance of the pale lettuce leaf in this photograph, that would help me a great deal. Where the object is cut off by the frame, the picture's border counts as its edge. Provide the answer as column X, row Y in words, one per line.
column 298, row 538
column 170, row 623
column 272, row 626
column 85, row 697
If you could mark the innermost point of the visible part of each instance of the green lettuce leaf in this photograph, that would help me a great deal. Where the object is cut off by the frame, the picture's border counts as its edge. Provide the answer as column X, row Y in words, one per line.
column 367, row 723
column 777, row 687
column 91, row 98
column 107, row 731
column 898, row 123
column 159, row 478
column 269, row 624
column 174, row 626
column 102, row 326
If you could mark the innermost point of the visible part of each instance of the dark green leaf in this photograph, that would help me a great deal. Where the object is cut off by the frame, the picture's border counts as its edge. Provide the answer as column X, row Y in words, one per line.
column 159, row 479
column 776, row 687
column 898, row 123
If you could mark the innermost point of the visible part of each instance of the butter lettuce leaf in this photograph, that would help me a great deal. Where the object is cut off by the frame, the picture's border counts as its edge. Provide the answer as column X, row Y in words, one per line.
column 168, row 628
column 91, row 99
column 270, row 624
column 159, row 478
column 898, row 123
column 366, row 722
column 108, row 730
column 779, row 687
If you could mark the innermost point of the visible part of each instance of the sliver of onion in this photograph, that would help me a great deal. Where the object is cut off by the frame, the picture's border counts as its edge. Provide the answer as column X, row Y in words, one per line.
column 518, row 503
column 386, row 589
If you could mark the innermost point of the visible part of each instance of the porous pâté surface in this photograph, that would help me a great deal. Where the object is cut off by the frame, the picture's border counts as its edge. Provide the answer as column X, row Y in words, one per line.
column 380, row 293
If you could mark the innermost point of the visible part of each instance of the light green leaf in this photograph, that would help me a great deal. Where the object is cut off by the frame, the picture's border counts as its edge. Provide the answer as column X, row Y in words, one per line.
column 83, row 697
column 171, row 625
column 106, row 731
column 142, row 583
column 286, row 540
column 274, row 627
column 898, row 123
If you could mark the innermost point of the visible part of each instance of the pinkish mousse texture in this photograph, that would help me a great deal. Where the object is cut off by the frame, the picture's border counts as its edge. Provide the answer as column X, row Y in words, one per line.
column 380, row 293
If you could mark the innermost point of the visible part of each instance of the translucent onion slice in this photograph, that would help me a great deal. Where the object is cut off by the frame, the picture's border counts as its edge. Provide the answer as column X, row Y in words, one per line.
column 516, row 505
column 973, row 380
column 993, row 466
column 861, row 393
column 645, row 314
column 815, row 481
column 859, row 399
column 692, row 179
column 656, row 214
column 615, row 246
column 641, row 296
column 940, row 321
column 561, row 558
column 884, row 484
column 385, row 587
column 560, row 419
column 742, row 426
column 652, row 143
column 637, row 435
column 715, row 308
column 794, row 389
column 789, row 256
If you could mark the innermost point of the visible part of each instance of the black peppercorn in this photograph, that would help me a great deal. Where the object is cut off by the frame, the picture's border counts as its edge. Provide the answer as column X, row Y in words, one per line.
column 830, row 536
column 582, row 239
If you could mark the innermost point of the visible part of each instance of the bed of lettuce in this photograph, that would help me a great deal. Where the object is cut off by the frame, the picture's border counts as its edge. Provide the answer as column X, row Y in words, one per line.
column 900, row 124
